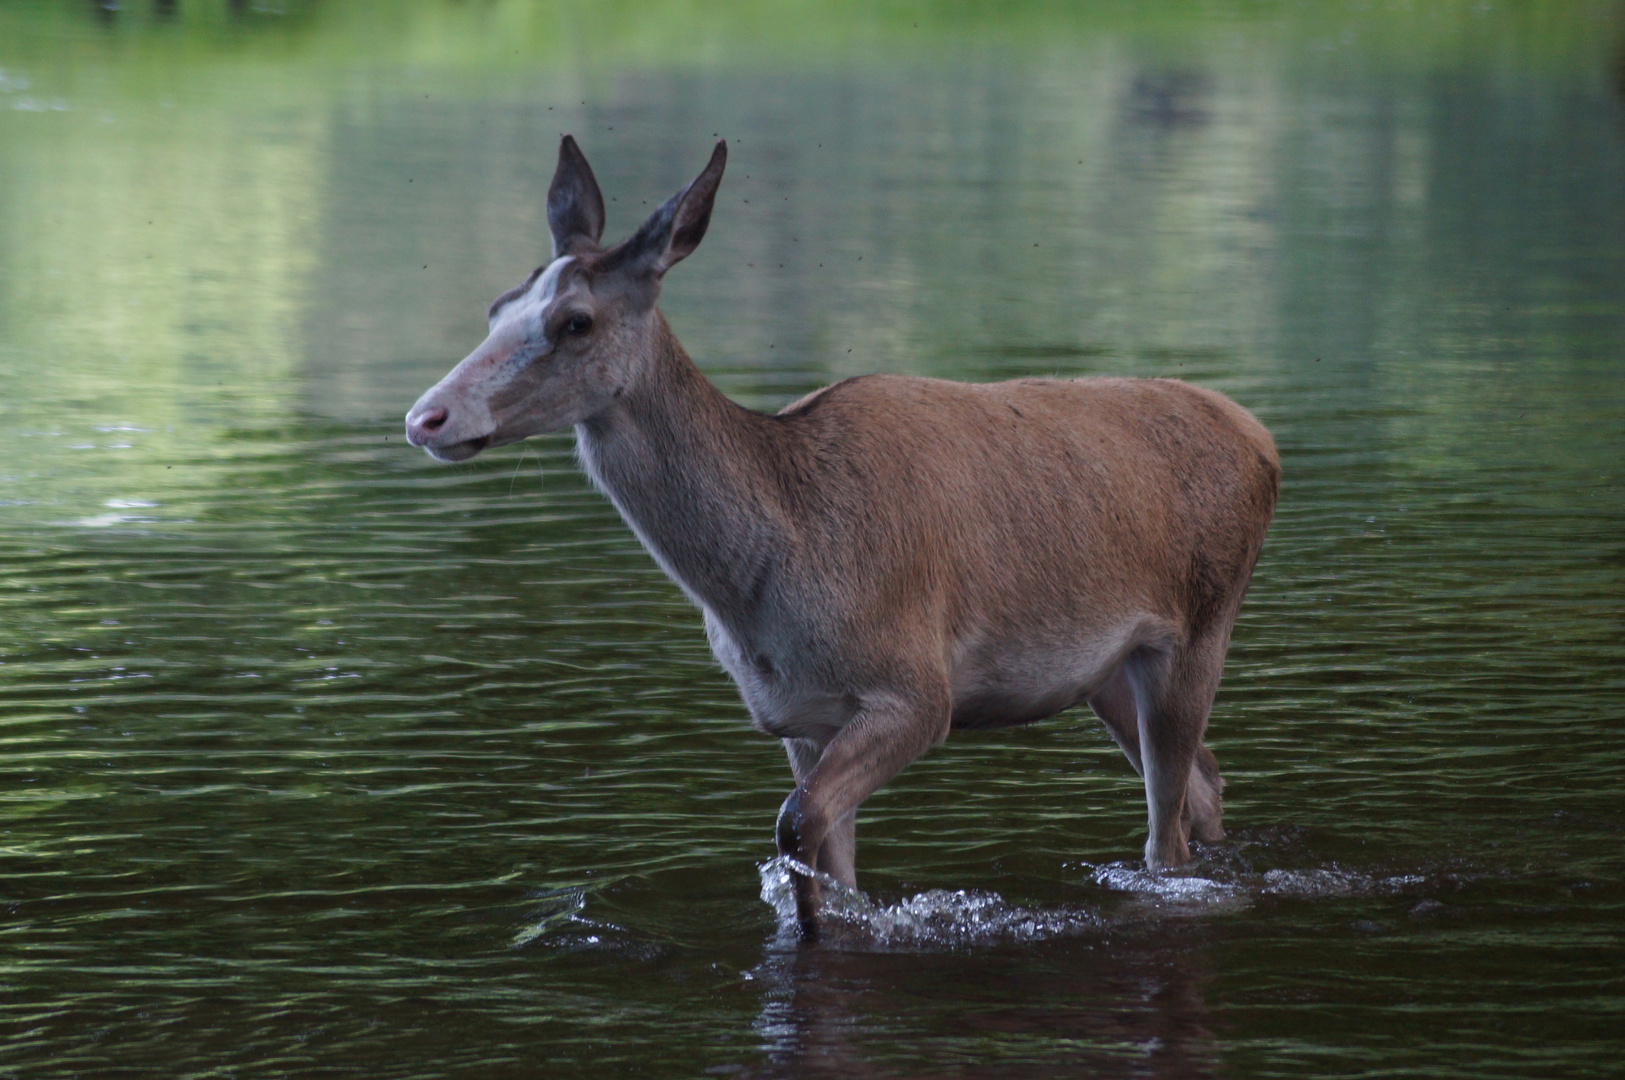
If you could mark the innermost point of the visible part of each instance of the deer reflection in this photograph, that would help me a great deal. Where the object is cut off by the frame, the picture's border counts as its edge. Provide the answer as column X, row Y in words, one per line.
column 1118, row 1006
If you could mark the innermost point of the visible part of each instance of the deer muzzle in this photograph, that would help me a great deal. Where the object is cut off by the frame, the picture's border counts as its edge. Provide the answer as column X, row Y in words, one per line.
column 453, row 419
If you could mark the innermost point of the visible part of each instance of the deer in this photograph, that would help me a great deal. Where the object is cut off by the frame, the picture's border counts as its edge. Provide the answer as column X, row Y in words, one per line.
column 889, row 559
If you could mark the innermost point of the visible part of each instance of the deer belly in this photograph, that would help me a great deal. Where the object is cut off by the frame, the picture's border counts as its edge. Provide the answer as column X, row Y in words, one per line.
column 1020, row 687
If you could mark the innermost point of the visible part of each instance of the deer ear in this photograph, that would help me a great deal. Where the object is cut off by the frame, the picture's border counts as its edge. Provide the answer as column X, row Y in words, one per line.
column 676, row 229
column 575, row 206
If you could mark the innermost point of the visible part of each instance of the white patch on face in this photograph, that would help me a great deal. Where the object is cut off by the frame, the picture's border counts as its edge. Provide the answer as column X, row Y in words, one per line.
column 468, row 388
column 531, row 308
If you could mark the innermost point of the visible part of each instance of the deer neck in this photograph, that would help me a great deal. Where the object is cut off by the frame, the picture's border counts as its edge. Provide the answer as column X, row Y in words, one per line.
column 688, row 470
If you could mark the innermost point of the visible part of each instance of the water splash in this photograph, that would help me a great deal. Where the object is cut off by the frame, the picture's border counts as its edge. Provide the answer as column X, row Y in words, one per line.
column 937, row 918
column 1334, row 881
column 1226, row 887
column 943, row 918
column 1177, row 890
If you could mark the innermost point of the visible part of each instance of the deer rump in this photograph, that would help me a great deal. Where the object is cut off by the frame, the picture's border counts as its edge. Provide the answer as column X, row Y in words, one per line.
column 891, row 557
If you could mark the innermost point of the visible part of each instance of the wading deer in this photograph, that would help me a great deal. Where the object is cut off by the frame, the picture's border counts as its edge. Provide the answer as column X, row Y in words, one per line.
column 890, row 558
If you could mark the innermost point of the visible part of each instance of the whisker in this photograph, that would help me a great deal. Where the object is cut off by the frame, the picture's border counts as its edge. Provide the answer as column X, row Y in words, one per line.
column 523, row 452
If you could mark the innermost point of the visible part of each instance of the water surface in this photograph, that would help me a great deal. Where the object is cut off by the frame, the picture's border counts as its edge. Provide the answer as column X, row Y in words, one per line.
column 318, row 757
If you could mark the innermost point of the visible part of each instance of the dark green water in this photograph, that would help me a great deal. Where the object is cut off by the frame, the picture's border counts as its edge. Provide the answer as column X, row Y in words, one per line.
column 318, row 758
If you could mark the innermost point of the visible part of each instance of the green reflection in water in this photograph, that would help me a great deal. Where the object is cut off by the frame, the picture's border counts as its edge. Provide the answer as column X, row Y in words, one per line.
column 317, row 755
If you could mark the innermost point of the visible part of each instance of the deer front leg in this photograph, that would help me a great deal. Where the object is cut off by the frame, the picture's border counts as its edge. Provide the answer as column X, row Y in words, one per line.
column 837, row 855
column 889, row 730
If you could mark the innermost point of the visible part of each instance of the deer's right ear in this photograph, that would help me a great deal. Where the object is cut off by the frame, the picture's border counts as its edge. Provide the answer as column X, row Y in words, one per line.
column 575, row 206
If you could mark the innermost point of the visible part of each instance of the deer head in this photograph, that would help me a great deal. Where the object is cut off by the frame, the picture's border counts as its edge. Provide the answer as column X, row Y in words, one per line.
column 567, row 343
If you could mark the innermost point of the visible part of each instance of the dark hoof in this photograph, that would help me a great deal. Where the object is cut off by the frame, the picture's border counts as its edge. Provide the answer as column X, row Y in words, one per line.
column 808, row 928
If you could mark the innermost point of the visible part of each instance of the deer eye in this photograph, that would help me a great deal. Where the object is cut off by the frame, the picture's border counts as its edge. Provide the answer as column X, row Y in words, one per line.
column 578, row 325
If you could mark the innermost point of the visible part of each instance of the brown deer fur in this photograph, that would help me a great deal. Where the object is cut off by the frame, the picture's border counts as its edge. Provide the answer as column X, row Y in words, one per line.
column 891, row 558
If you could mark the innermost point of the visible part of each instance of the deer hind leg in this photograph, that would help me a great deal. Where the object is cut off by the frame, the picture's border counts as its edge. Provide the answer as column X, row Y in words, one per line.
column 1173, row 694
column 1204, row 810
column 1115, row 704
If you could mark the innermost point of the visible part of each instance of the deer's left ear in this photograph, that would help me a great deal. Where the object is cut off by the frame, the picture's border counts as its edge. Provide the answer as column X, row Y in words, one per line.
column 575, row 206
column 676, row 229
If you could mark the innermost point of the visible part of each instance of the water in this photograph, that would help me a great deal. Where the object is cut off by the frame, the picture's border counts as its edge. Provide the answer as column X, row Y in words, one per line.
column 321, row 758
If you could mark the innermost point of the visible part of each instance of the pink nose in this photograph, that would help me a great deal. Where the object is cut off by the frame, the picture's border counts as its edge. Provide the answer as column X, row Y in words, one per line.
column 419, row 426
